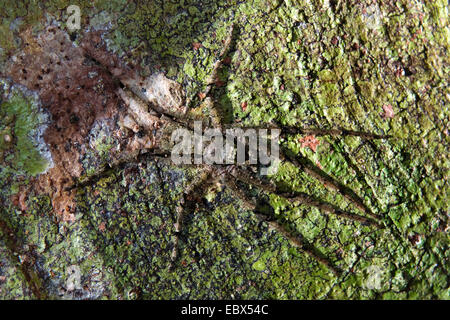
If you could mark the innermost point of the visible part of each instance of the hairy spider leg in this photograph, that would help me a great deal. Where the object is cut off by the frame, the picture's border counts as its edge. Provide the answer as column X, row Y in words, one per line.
column 191, row 189
column 216, row 120
column 215, row 113
column 251, row 178
column 295, row 241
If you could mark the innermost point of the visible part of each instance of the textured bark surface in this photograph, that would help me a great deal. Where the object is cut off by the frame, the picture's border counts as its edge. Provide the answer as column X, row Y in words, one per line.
column 375, row 66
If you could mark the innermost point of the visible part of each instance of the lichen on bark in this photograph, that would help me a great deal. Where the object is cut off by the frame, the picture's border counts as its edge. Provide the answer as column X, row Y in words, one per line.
column 374, row 66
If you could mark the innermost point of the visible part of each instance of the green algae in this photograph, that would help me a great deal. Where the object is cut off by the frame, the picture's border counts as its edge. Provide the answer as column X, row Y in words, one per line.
column 21, row 123
column 295, row 63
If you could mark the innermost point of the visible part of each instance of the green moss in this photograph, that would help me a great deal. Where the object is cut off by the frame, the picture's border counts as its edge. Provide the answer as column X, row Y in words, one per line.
column 259, row 265
column 22, row 121
column 293, row 63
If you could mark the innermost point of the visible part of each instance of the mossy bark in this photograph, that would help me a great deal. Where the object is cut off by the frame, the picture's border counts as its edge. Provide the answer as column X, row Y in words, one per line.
column 380, row 67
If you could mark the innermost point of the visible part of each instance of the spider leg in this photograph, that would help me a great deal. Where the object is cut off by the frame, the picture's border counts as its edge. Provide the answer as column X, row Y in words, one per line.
column 191, row 190
column 215, row 114
column 296, row 241
column 301, row 198
column 311, row 169
column 339, row 132
column 218, row 64
column 111, row 168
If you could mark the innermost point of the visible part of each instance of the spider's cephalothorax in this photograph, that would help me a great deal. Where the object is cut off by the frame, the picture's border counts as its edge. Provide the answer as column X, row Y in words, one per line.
column 156, row 106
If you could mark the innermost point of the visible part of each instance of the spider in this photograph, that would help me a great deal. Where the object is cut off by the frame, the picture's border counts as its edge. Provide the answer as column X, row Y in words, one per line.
column 155, row 111
column 154, row 108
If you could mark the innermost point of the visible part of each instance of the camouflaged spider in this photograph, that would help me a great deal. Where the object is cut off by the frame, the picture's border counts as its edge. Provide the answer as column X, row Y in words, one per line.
column 156, row 107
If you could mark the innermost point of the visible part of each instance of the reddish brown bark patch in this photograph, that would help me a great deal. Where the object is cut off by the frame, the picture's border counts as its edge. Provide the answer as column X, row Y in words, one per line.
column 76, row 91
column 310, row 142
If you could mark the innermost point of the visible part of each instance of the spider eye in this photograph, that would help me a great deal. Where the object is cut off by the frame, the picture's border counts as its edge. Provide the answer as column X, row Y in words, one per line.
column 140, row 134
